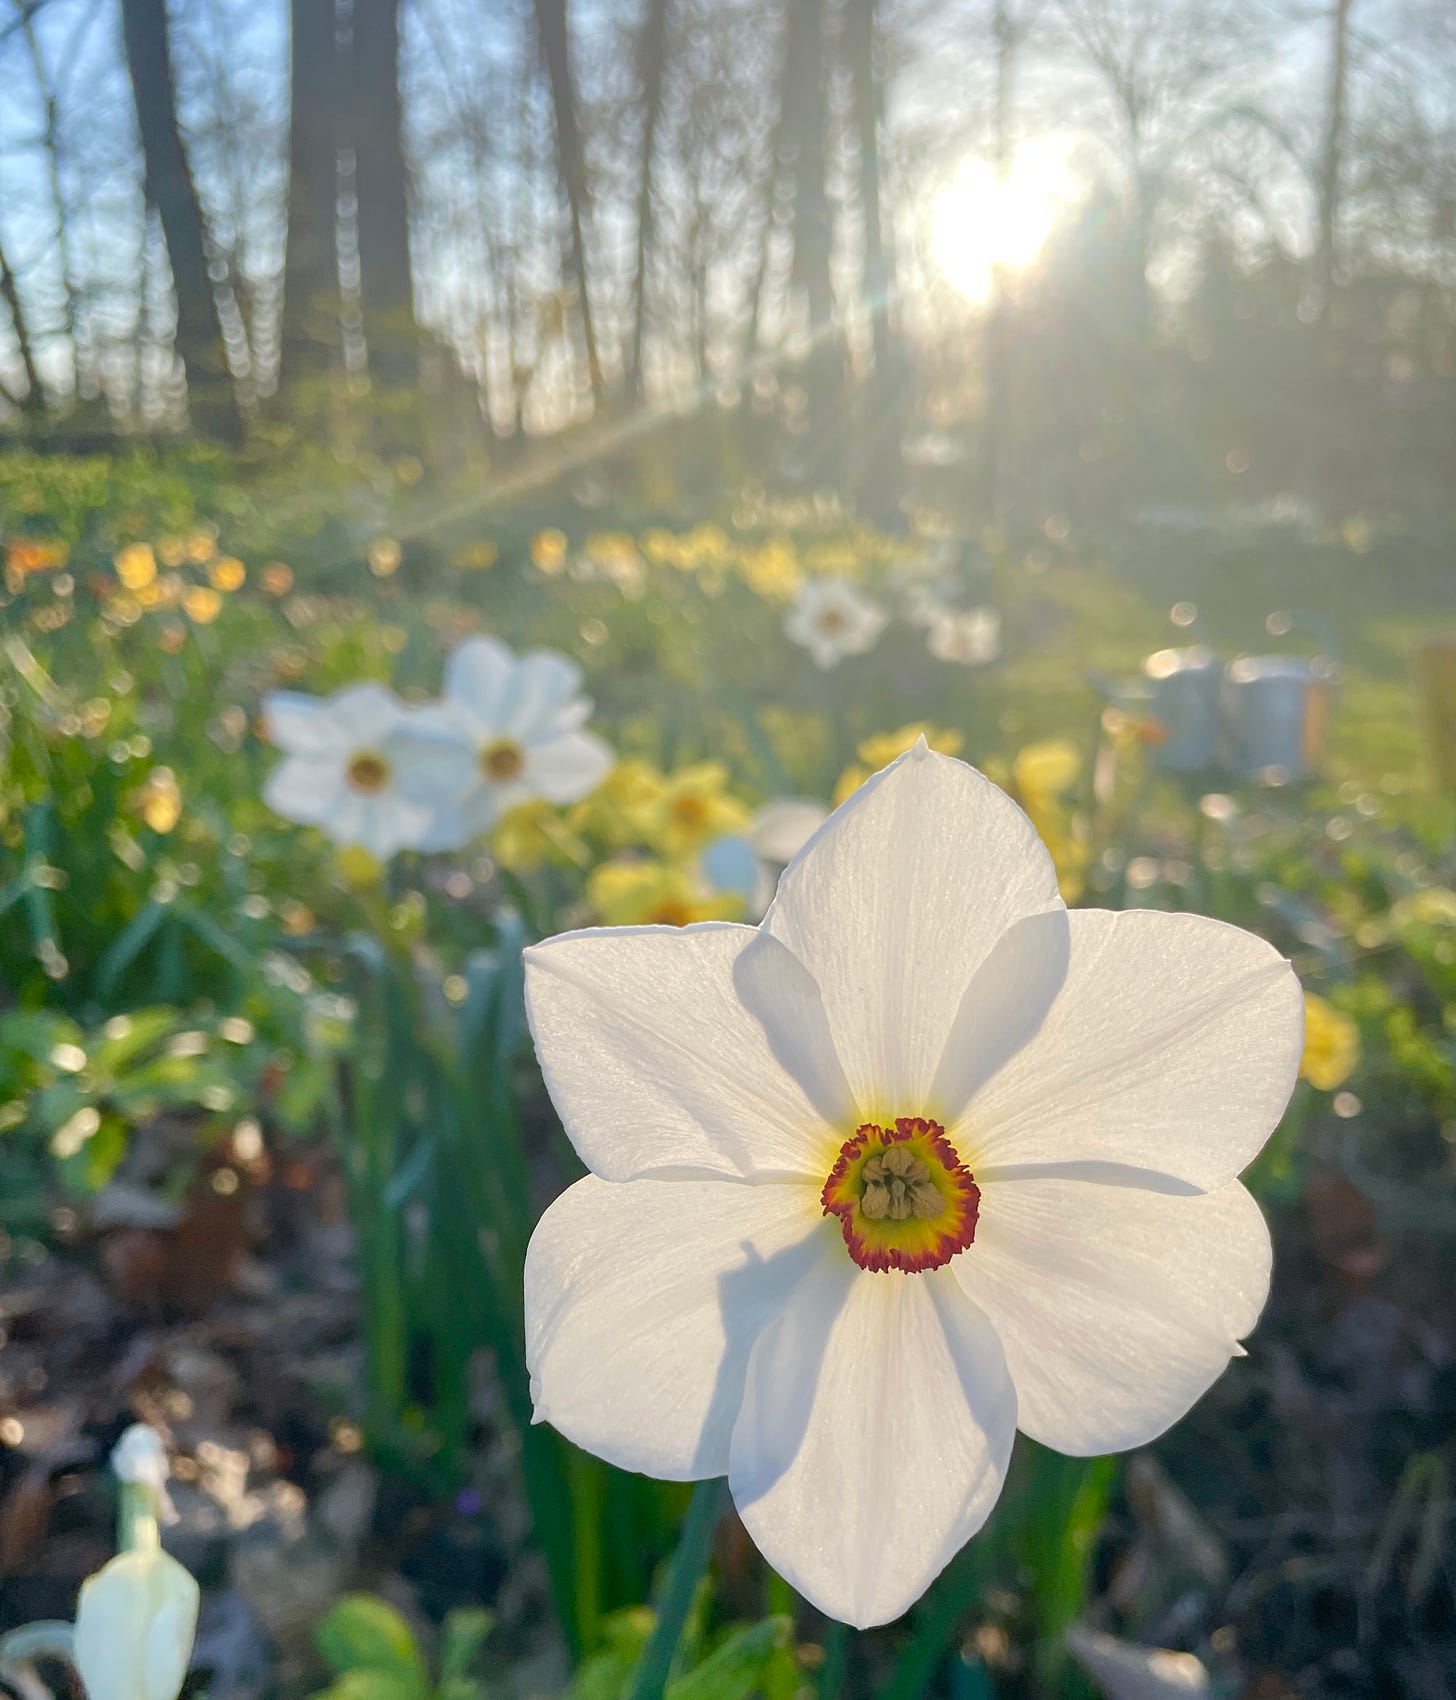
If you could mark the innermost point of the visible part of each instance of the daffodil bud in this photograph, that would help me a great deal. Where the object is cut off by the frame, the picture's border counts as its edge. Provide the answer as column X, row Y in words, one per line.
column 135, row 1624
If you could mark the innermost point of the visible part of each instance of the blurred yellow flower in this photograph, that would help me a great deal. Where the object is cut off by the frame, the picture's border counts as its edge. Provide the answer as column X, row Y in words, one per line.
column 135, row 565
column 548, row 551
column 1331, row 1044
column 201, row 605
column 533, row 833
column 881, row 749
column 478, row 557
column 171, row 551
column 159, row 802
column 1042, row 772
column 357, row 868
column 644, row 894
column 277, row 578
column 384, row 557
column 227, row 573
column 614, row 813
column 693, row 808
column 201, row 546
column 772, row 570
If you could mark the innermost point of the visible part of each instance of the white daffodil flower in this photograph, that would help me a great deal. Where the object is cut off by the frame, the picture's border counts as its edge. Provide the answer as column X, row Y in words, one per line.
column 831, row 619
column 359, row 766
column 920, row 1160
column 136, row 1618
column 515, row 726
column 135, row 1624
column 971, row 636
column 749, row 863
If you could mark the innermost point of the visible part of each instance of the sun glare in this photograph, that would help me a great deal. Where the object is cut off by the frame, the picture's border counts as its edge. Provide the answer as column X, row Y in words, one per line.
column 978, row 223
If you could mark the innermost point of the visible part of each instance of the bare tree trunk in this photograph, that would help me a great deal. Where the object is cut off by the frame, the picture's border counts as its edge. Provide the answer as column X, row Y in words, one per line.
column 171, row 190
column 859, row 51
column 386, row 280
column 32, row 403
column 555, row 43
column 1329, row 179
column 877, row 468
column 310, row 329
column 652, row 57
column 806, row 114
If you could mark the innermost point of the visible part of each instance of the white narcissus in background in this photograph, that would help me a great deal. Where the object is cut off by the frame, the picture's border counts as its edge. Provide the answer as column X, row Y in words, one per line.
column 920, row 1160
column 515, row 725
column 831, row 619
column 355, row 767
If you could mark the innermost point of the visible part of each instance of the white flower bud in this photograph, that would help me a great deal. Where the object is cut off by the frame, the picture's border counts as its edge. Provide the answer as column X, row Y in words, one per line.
column 135, row 1624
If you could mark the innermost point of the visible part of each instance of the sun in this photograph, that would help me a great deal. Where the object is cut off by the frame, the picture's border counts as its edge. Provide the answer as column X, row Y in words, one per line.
column 978, row 223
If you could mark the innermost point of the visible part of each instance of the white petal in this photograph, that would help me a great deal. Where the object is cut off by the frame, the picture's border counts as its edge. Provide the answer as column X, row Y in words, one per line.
column 781, row 829
column 302, row 725
column 876, row 1426
column 893, row 905
column 643, row 1300
column 1117, row 1307
column 304, row 789
column 478, row 678
column 656, row 1064
column 367, row 712
column 544, row 683
column 382, row 824
column 566, row 768
column 1003, row 1007
column 1173, row 1046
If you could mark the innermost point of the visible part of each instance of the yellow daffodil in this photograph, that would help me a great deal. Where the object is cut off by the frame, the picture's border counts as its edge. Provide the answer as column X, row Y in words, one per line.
column 880, row 750
column 1331, row 1045
column 532, row 834
column 615, row 813
column 227, row 573
column 548, row 551
column 135, row 565
column 201, row 604
column 692, row 809
column 1045, row 771
column 159, row 802
column 649, row 894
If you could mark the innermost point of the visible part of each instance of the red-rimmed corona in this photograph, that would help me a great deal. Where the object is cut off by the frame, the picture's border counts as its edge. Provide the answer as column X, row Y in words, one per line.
column 903, row 1197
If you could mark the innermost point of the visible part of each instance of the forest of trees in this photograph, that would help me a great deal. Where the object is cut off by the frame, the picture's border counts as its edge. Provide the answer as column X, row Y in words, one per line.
column 522, row 215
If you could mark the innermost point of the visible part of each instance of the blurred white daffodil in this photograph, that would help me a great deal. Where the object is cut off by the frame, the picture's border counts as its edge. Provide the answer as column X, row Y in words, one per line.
column 136, row 1618
column 514, row 724
column 831, row 619
column 970, row 636
column 920, row 1160
column 358, row 766
column 749, row 863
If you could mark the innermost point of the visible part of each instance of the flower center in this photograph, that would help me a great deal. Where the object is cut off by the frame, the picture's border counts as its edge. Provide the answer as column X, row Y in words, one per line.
column 502, row 760
column 669, row 914
column 902, row 1195
column 689, row 811
column 832, row 620
column 368, row 772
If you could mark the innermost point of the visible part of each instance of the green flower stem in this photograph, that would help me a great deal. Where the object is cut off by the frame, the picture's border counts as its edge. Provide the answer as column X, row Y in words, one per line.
column 137, row 1529
column 688, row 1564
column 836, row 1659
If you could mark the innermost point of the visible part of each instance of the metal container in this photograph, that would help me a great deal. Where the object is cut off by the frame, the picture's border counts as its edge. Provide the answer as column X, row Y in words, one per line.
column 1276, row 716
column 1185, row 700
